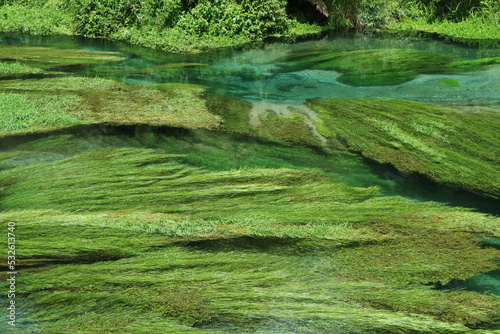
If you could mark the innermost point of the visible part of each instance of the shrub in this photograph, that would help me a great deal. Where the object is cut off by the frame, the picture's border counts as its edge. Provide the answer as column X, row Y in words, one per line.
column 104, row 17
column 227, row 18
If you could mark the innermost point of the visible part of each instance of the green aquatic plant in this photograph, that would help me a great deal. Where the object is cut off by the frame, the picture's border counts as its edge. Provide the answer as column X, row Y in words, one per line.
column 31, row 113
column 375, row 67
column 108, row 234
column 459, row 149
column 102, row 101
column 289, row 128
column 13, row 70
column 474, row 64
column 234, row 112
column 449, row 82
column 52, row 58
column 371, row 67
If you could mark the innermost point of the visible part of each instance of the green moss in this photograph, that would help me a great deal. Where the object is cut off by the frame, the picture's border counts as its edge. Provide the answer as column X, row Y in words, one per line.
column 458, row 149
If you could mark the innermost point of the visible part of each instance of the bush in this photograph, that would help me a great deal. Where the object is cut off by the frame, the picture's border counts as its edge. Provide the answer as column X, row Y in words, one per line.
column 228, row 18
column 104, row 17
column 453, row 10
column 34, row 20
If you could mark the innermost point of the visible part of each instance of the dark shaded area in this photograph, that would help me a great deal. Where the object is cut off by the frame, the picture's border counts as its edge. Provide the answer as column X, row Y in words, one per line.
column 84, row 257
column 273, row 245
column 420, row 188
column 305, row 12
column 488, row 283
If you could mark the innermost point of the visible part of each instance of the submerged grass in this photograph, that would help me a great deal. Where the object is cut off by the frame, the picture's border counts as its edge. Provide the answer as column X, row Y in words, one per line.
column 375, row 67
column 372, row 67
column 132, row 240
column 52, row 58
column 14, row 70
column 215, row 232
column 101, row 101
column 23, row 112
column 450, row 147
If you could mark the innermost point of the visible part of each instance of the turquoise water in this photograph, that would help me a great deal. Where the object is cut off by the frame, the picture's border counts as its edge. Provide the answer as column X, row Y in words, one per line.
column 266, row 75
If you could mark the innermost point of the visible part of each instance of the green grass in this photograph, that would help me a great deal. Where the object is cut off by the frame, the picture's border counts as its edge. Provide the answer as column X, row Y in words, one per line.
column 50, row 58
column 23, row 112
column 470, row 30
column 16, row 70
column 455, row 148
column 100, row 101
column 97, row 101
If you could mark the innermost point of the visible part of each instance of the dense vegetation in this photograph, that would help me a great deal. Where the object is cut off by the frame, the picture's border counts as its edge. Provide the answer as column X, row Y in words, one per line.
column 458, row 149
column 168, row 209
column 179, row 25
column 118, row 238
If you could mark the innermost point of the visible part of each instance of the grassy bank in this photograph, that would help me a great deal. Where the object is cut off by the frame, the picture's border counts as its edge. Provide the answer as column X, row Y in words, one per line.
column 181, row 26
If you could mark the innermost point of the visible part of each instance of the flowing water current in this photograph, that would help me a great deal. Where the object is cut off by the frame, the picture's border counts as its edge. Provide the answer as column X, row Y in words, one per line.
column 267, row 77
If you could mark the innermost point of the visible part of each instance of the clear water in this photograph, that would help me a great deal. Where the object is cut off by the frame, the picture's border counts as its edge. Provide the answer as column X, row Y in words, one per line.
column 260, row 75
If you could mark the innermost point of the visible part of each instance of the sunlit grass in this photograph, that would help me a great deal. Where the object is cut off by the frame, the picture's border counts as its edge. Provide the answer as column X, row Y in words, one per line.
column 31, row 113
column 455, row 148
column 101, row 101
column 17, row 69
